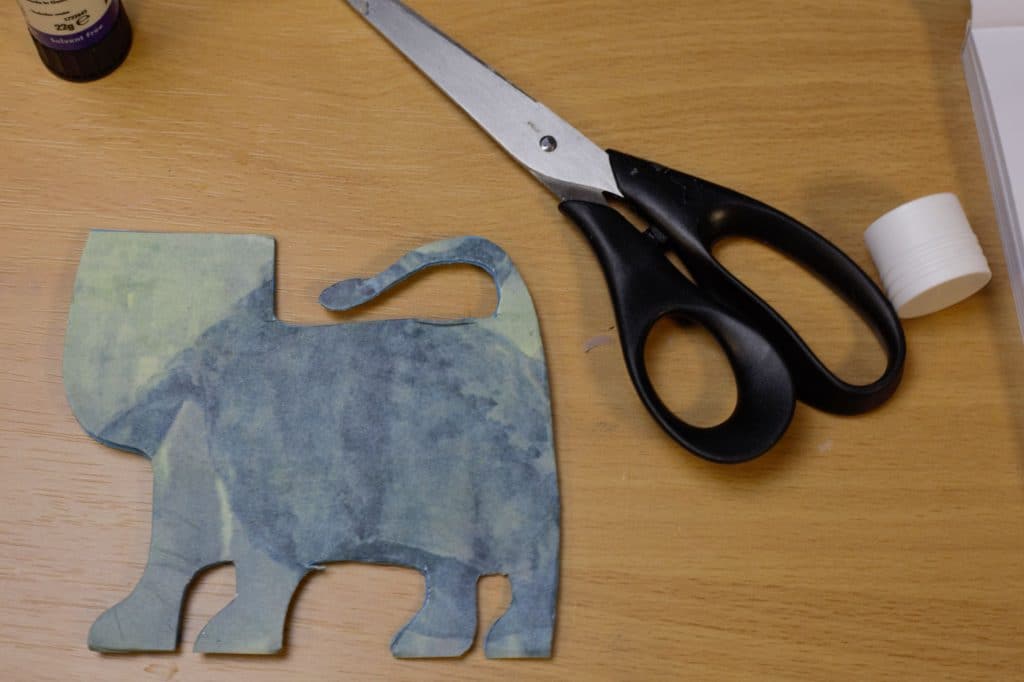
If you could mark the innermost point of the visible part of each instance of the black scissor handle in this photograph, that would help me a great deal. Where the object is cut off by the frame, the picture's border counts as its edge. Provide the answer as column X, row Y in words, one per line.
column 645, row 287
column 693, row 214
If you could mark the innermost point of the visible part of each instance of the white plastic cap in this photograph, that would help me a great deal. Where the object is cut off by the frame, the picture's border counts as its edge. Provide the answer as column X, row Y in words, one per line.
column 927, row 255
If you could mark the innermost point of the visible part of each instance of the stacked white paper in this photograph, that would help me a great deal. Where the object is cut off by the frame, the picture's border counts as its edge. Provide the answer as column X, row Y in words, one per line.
column 993, row 57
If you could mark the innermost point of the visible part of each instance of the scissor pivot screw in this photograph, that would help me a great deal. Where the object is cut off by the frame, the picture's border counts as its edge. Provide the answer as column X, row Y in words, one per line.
column 548, row 143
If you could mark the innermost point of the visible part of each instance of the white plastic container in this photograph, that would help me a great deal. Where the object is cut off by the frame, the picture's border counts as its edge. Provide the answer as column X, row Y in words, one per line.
column 927, row 255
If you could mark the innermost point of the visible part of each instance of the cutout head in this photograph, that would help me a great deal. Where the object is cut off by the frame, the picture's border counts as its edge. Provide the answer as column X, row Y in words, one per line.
column 140, row 301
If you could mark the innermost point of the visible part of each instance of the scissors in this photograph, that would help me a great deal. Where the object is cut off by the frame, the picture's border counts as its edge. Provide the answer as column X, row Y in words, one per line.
column 772, row 366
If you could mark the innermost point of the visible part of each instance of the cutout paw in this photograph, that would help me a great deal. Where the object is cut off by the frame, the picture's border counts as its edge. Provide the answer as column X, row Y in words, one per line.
column 410, row 644
column 113, row 632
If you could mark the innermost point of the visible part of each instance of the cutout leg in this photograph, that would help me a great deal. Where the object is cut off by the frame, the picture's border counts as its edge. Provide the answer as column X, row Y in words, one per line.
column 149, row 619
column 253, row 623
column 187, row 533
column 446, row 624
column 527, row 628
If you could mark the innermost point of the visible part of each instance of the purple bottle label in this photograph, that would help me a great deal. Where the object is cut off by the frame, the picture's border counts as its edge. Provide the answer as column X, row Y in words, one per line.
column 70, row 24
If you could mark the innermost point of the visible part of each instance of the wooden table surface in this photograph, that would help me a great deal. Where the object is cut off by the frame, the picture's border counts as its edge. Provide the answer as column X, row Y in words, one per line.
column 885, row 546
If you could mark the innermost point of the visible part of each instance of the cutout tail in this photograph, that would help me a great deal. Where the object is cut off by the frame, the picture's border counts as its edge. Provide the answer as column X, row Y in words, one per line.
column 477, row 251
column 515, row 316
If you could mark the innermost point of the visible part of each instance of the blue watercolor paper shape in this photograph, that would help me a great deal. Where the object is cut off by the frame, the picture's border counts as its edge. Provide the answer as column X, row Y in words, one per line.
column 280, row 447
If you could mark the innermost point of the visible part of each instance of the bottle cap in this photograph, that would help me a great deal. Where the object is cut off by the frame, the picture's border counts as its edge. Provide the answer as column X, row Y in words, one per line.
column 927, row 255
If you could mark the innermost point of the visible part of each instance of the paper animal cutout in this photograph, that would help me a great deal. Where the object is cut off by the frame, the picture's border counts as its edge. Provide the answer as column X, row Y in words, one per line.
column 279, row 447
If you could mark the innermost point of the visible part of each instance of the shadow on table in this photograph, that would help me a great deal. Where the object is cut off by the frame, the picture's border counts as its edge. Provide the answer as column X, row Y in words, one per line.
column 946, row 38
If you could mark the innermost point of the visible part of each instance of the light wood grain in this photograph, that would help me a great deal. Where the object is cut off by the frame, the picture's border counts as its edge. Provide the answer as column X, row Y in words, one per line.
column 888, row 546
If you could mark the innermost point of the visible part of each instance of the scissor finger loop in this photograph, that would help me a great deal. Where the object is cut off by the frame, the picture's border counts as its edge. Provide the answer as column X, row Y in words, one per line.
column 694, row 215
column 646, row 288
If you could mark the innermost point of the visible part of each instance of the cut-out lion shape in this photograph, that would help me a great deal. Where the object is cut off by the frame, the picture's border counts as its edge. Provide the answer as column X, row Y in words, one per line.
column 280, row 447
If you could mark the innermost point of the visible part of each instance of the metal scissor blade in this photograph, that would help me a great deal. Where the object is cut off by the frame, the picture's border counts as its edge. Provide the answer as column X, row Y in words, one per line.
column 556, row 153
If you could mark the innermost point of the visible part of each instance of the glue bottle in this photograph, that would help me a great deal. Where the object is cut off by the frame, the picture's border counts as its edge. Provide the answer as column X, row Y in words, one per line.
column 79, row 40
